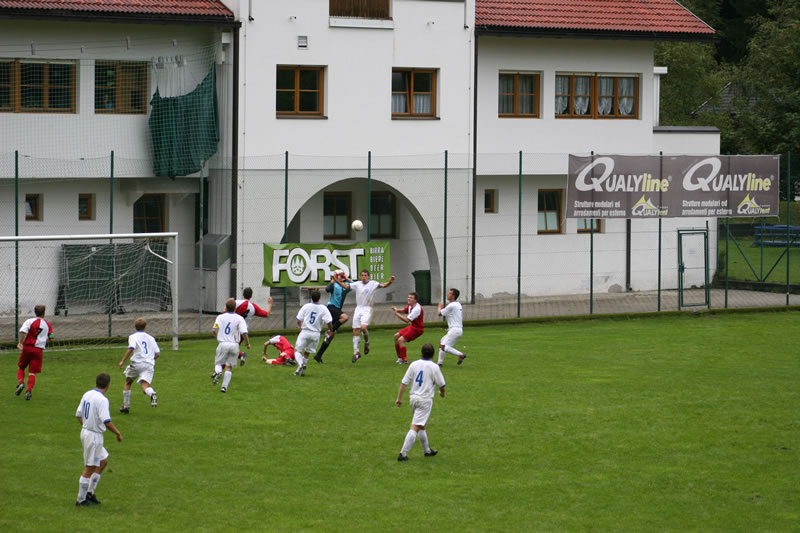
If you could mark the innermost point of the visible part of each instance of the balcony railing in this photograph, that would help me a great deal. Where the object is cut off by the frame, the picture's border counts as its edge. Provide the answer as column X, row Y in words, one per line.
column 365, row 9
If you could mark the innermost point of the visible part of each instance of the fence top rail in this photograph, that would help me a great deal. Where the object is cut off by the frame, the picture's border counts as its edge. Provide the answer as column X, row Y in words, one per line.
column 11, row 238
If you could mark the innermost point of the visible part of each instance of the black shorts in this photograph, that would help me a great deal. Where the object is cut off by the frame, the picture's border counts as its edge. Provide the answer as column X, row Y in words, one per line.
column 336, row 312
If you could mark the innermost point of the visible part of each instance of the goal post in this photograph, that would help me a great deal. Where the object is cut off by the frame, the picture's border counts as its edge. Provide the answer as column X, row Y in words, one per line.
column 93, row 286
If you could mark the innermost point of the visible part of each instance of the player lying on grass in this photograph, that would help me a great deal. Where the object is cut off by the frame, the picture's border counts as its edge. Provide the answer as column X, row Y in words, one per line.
column 285, row 351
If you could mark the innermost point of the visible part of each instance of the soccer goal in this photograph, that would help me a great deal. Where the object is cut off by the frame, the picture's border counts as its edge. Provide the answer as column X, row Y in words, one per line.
column 93, row 286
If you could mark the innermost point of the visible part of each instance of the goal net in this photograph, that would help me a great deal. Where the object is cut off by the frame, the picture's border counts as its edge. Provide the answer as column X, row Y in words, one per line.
column 93, row 287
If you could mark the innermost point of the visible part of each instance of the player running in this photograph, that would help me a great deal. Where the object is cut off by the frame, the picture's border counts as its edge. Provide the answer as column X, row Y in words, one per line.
column 309, row 321
column 33, row 336
column 454, row 314
column 413, row 315
column 230, row 329
column 365, row 295
column 144, row 349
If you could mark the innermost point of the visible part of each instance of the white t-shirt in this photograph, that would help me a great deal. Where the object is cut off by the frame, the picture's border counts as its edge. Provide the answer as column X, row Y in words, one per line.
column 144, row 347
column 424, row 376
column 313, row 316
column 230, row 327
column 93, row 409
column 454, row 314
column 365, row 292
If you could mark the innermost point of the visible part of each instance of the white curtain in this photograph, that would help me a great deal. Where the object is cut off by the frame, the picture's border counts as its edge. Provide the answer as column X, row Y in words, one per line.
column 626, row 100
column 505, row 103
column 399, row 103
column 525, row 97
column 605, row 104
column 423, row 103
column 174, row 76
column 562, row 87
column 582, row 86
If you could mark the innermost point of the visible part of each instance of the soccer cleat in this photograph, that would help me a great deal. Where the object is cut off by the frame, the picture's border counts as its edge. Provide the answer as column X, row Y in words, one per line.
column 83, row 503
column 401, row 361
column 92, row 499
column 215, row 377
column 431, row 453
column 289, row 362
column 20, row 388
column 356, row 356
column 402, row 457
column 223, row 389
column 366, row 349
column 318, row 358
column 461, row 359
column 154, row 400
column 124, row 410
column 27, row 395
column 301, row 371
column 242, row 358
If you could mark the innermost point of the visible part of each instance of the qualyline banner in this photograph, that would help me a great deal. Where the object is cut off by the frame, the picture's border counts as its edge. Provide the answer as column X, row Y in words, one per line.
column 647, row 186
column 289, row 265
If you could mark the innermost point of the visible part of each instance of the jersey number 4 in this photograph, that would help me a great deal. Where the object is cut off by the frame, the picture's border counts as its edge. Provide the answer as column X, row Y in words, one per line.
column 419, row 378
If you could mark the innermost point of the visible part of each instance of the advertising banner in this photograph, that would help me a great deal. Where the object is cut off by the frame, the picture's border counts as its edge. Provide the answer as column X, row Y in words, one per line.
column 289, row 265
column 647, row 186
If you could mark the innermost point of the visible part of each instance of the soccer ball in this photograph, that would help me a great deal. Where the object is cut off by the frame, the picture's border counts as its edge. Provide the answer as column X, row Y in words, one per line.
column 357, row 225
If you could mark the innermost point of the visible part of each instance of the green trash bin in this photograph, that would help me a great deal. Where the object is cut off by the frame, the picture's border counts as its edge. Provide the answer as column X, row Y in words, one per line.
column 422, row 285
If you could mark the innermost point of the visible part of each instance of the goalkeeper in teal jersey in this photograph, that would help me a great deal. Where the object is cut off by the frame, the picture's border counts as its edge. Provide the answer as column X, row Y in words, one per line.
column 338, row 292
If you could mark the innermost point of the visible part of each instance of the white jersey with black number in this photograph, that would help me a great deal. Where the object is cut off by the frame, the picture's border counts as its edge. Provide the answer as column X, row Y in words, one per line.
column 93, row 409
column 144, row 348
column 424, row 376
column 313, row 316
column 230, row 327
column 365, row 292
column 454, row 314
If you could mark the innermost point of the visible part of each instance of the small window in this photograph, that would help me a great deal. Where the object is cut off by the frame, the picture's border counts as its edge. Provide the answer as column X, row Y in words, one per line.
column 490, row 201
column 149, row 214
column 574, row 96
column 336, row 215
column 372, row 9
column 299, row 91
column 33, row 207
column 413, row 93
column 37, row 87
column 617, row 96
column 597, row 96
column 86, row 207
column 587, row 225
column 120, row 87
column 518, row 95
column 549, row 211
column 383, row 209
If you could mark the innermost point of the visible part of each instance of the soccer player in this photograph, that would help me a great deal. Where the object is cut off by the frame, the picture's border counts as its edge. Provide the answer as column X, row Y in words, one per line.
column 94, row 418
column 309, row 321
column 454, row 314
column 285, row 351
column 338, row 292
column 144, row 349
column 230, row 329
column 365, row 294
column 424, row 376
column 33, row 337
column 413, row 315
column 246, row 309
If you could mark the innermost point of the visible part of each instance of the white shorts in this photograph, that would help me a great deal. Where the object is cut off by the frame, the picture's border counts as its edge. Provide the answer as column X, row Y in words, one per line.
column 306, row 342
column 139, row 374
column 361, row 316
column 420, row 410
column 93, row 451
column 227, row 354
column 451, row 337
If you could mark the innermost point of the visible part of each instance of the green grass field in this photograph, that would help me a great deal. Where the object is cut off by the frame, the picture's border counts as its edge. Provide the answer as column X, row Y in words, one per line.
column 674, row 423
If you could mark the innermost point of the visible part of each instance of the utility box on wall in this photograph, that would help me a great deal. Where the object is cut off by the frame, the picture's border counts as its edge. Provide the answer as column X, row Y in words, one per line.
column 216, row 250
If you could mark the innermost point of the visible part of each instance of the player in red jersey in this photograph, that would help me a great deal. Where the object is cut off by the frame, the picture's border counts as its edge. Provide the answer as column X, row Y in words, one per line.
column 285, row 351
column 33, row 337
column 247, row 309
column 413, row 315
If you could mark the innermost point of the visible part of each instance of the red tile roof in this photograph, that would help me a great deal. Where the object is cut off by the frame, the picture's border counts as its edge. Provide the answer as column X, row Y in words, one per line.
column 663, row 17
column 214, row 8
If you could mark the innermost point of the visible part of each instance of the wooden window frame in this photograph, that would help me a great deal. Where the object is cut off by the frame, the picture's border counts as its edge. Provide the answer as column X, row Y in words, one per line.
column 410, row 92
column 90, row 215
column 375, row 230
column 558, row 211
column 37, row 213
column 490, row 197
column 15, row 84
column 373, row 9
column 594, row 97
column 598, row 225
column 616, row 98
column 516, row 95
column 346, row 230
column 297, row 91
column 162, row 218
column 121, row 107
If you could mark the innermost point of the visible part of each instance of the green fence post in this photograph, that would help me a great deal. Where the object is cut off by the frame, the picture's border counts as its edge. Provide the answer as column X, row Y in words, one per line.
column 111, row 231
column 16, row 243
column 285, row 222
column 444, row 251
column 788, row 220
column 369, row 194
column 727, row 257
column 705, row 248
column 659, row 264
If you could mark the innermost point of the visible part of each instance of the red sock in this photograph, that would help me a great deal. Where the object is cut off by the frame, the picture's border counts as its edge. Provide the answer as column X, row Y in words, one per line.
column 20, row 375
column 397, row 350
column 402, row 353
column 31, row 381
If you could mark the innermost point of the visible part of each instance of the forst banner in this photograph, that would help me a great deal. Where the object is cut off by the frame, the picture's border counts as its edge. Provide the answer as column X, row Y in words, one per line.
column 647, row 186
column 290, row 265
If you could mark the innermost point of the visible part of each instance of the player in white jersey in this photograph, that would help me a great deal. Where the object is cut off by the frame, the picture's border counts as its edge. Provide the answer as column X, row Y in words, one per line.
column 424, row 376
column 94, row 418
column 143, row 351
column 454, row 314
column 230, row 329
column 365, row 295
column 310, row 319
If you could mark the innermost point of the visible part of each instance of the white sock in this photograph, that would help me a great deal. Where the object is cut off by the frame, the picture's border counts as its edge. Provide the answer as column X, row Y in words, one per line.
column 126, row 398
column 227, row 379
column 441, row 356
column 93, row 481
column 411, row 437
column 450, row 349
column 423, row 439
column 301, row 361
column 83, row 488
column 356, row 343
column 149, row 391
column 218, row 369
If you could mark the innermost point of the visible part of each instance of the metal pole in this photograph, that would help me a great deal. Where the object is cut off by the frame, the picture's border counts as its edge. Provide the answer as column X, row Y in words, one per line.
column 727, row 257
column 444, row 248
column 175, row 285
column 591, row 266
column 788, row 219
column 659, row 263
column 761, row 253
column 285, row 222
column 519, row 235
column 202, row 284
column 369, row 195
column 705, row 251
column 111, row 232
column 16, row 243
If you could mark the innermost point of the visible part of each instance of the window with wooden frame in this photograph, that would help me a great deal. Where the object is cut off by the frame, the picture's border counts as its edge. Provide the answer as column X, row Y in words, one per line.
column 336, row 215
column 86, row 207
column 490, row 201
column 518, row 95
column 149, row 214
column 29, row 86
column 596, row 96
column 372, row 9
column 413, row 93
column 382, row 214
column 299, row 91
column 549, row 211
column 587, row 225
column 120, row 87
column 33, row 207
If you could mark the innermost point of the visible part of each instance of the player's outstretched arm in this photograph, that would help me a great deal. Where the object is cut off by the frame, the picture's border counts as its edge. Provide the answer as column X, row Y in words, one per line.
column 387, row 283
column 264, row 312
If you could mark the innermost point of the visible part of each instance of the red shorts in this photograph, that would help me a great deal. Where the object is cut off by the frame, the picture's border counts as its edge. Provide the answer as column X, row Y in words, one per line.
column 31, row 355
column 410, row 333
